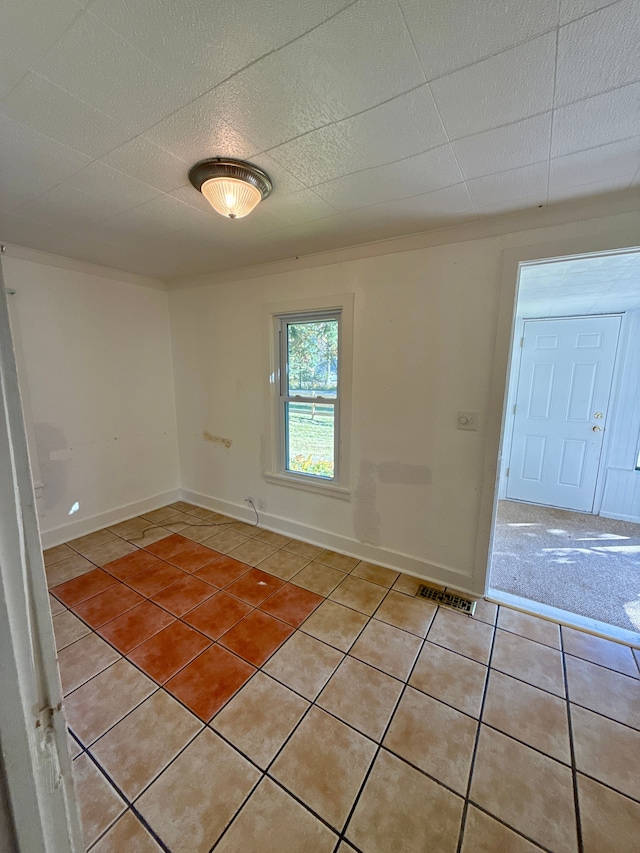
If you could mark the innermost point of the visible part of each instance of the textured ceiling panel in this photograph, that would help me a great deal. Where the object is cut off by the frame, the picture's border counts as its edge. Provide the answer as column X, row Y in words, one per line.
column 374, row 118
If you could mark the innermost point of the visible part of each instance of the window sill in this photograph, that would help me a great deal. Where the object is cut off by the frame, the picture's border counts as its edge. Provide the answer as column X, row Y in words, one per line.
column 308, row 485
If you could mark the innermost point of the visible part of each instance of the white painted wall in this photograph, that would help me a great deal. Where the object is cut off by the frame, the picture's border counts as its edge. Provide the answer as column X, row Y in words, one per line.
column 424, row 333
column 97, row 358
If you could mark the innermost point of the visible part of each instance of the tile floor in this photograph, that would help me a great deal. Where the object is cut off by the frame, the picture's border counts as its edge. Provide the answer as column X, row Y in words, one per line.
column 230, row 689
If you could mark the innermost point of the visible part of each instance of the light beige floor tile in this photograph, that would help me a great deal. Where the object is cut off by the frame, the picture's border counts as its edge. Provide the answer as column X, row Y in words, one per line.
column 603, row 690
column 486, row 611
column 361, row 696
column 531, row 627
column 283, row 564
column 178, row 522
column 597, row 650
column 99, row 803
column 135, row 750
column 148, row 536
column 359, row 595
column 275, row 539
column 104, row 700
column 104, row 554
column 531, row 662
column 528, row 714
column 303, row 549
column 74, row 747
column 67, row 569
column 433, row 737
column 375, row 574
column 260, row 718
column 387, row 648
column 192, row 802
column 92, row 540
column 130, row 527
column 409, row 585
column 483, row 834
column 251, row 552
column 273, row 822
column 248, row 530
column 324, row 764
column 399, row 802
column 525, row 789
column 56, row 606
column 334, row 624
column 127, row 834
column 318, row 578
column 201, row 512
column 183, row 506
column 83, row 659
column 201, row 532
column 304, row 664
column 459, row 633
column 225, row 541
column 610, row 822
column 410, row 614
column 337, row 561
column 606, row 750
column 345, row 848
column 157, row 516
column 67, row 629
column 452, row 678
column 56, row 554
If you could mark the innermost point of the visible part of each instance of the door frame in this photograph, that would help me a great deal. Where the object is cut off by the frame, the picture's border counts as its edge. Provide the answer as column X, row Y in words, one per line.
column 512, row 383
column 512, row 260
column 33, row 730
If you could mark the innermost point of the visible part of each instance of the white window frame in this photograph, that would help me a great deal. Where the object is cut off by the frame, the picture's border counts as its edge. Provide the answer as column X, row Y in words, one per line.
column 298, row 311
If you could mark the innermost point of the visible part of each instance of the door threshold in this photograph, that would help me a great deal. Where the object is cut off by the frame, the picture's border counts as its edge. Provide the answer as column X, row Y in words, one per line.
column 565, row 617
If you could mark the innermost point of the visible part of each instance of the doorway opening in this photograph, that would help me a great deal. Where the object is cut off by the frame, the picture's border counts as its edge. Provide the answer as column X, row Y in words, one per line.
column 566, row 537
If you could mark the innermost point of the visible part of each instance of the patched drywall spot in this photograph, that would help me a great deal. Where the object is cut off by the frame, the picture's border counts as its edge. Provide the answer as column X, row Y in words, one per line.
column 54, row 456
column 366, row 519
column 216, row 439
column 403, row 473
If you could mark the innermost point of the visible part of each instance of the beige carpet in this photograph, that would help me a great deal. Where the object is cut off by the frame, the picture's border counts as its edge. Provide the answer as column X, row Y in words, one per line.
column 581, row 563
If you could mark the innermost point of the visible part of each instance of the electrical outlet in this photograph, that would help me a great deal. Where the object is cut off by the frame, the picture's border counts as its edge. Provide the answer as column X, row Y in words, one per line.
column 468, row 421
column 259, row 503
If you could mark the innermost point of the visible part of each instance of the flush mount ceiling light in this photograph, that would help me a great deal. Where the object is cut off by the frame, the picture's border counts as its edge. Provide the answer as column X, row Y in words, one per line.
column 231, row 187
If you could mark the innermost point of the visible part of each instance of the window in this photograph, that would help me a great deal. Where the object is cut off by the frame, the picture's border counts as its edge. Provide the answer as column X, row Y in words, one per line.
column 309, row 420
column 309, row 347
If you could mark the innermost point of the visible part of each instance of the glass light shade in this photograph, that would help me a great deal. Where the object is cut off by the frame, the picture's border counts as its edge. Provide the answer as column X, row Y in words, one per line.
column 231, row 197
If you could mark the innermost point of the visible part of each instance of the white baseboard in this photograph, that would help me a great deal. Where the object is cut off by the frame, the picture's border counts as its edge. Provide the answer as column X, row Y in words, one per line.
column 410, row 565
column 74, row 529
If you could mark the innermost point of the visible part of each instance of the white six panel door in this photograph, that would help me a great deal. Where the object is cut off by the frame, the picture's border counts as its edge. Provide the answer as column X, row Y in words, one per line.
column 564, row 386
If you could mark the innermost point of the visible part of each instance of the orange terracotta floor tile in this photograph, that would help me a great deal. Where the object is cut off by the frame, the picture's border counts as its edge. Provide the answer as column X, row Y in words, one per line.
column 217, row 615
column 107, row 605
column 130, row 630
column 222, row 571
column 167, row 652
column 184, row 595
column 150, row 581
column 168, row 546
column 256, row 637
column 208, row 683
column 254, row 586
column 292, row 604
column 193, row 557
column 83, row 587
column 131, row 564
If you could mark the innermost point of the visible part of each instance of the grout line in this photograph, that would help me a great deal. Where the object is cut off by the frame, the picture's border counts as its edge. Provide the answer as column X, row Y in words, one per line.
column 574, row 777
column 465, row 807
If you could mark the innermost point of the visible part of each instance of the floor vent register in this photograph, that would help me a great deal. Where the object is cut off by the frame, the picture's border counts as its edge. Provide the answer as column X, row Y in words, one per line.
column 447, row 599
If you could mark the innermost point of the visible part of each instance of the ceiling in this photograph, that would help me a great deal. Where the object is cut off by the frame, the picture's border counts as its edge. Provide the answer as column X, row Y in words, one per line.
column 374, row 118
column 602, row 284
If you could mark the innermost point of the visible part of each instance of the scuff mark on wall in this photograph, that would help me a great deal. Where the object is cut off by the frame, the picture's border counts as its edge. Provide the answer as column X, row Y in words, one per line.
column 216, row 439
column 366, row 518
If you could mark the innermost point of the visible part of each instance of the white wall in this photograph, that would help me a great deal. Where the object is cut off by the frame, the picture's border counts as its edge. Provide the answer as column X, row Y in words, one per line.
column 424, row 335
column 7, row 836
column 97, row 358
